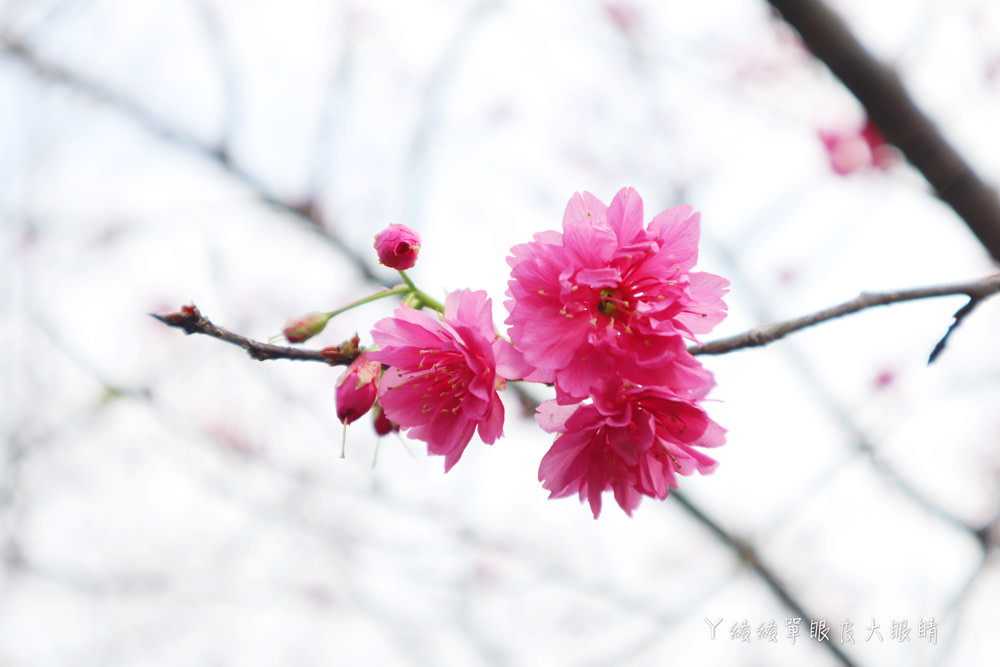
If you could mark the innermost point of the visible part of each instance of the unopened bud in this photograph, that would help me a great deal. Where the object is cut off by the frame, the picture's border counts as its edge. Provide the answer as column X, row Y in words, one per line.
column 303, row 328
column 381, row 423
column 357, row 389
column 397, row 246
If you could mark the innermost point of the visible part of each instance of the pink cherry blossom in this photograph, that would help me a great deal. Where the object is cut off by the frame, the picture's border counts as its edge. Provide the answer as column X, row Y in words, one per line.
column 609, row 296
column 625, row 15
column 357, row 388
column 855, row 149
column 443, row 374
column 634, row 441
column 397, row 247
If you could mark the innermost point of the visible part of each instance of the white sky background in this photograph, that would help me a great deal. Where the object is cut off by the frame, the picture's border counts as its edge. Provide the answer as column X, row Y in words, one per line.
column 165, row 500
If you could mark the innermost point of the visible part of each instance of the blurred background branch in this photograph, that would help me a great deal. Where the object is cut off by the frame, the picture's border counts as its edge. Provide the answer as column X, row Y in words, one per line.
column 897, row 116
column 214, row 480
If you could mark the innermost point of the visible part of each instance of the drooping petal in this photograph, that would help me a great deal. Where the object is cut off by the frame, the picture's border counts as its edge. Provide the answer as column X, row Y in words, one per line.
column 635, row 443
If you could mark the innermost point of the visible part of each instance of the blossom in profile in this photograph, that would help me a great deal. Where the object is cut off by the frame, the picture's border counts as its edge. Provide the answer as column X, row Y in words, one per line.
column 357, row 388
column 443, row 376
column 633, row 441
column 609, row 296
column 397, row 247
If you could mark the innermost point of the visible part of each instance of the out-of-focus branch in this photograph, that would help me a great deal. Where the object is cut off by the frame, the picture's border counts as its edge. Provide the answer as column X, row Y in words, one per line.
column 190, row 319
column 303, row 212
column 762, row 335
column 746, row 552
column 901, row 122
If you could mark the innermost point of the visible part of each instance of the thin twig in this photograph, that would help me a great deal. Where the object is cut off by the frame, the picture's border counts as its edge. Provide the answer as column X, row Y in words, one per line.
column 190, row 319
column 960, row 316
column 768, row 333
column 746, row 553
column 305, row 213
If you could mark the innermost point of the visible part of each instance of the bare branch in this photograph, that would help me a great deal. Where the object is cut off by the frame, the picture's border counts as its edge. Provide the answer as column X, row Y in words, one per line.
column 746, row 553
column 768, row 333
column 190, row 319
column 901, row 122
column 305, row 213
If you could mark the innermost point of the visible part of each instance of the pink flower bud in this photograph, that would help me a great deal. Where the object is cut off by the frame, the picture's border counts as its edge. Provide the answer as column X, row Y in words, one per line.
column 357, row 389
column 303, row 328
column 381, row 423
column 397, row 247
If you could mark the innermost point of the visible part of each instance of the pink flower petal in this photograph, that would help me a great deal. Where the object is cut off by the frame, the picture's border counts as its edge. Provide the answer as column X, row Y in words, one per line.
column 441, row 384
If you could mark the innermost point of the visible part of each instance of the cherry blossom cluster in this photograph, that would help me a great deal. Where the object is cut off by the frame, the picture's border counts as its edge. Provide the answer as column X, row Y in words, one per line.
column 602, row 312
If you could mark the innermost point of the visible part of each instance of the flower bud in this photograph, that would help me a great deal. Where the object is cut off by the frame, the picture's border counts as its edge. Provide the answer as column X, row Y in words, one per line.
column 397, row 247
column 382, row 424
column 303, row 328
column 357, row 389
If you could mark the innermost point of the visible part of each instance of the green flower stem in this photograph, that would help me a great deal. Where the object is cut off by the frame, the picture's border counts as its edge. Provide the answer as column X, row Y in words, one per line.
column 401, row 289
column 412, row 296
column 425, row 299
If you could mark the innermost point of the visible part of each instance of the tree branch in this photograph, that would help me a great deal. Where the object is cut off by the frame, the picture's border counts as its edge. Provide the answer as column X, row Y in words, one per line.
column 901, row 122
column 748, row 555
column 768, row 333
column 305, row 213
column 190, row 319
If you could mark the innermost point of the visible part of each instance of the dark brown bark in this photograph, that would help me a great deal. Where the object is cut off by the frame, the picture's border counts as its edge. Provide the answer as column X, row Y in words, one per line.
column 894, row 112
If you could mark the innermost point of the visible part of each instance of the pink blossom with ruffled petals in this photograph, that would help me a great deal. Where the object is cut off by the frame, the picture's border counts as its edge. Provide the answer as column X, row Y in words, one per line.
column 611, row 296
column 634, row 441
column 397, row 247
column 443, row 374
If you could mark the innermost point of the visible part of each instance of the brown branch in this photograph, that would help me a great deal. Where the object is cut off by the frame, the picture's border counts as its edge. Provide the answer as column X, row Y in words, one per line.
column 888, row 105
column 190, row 319
column 768, row 333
